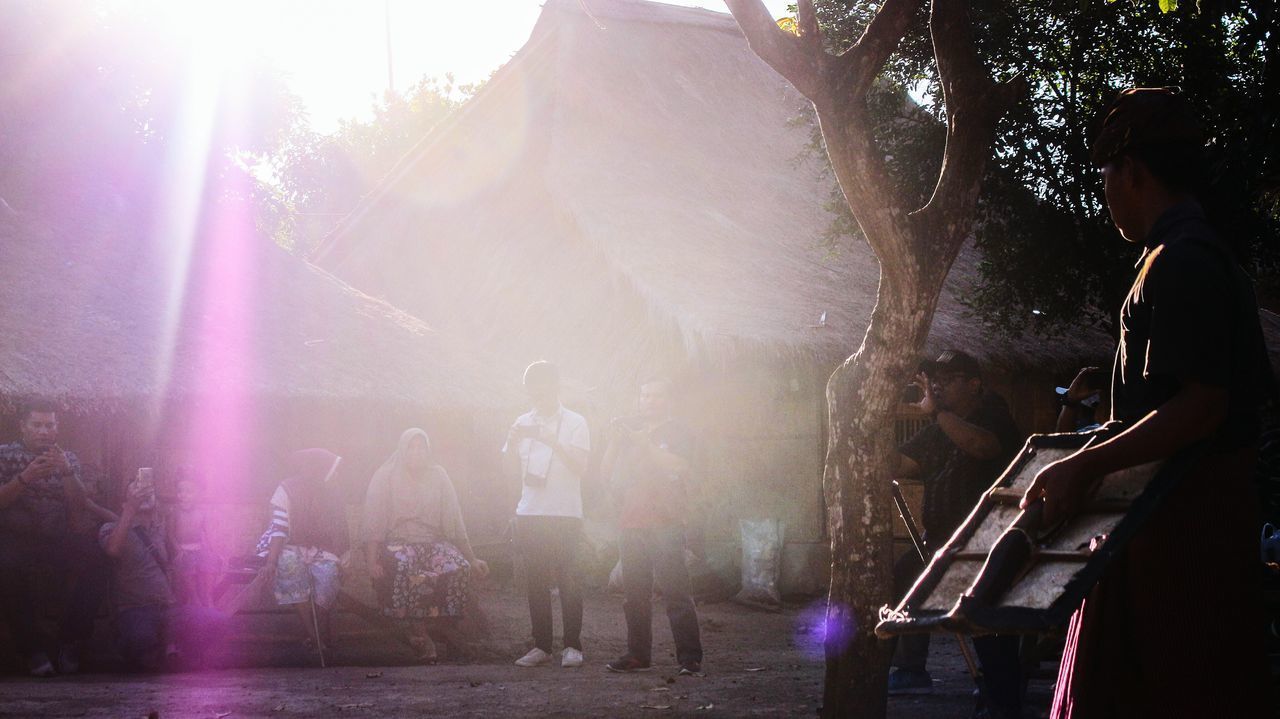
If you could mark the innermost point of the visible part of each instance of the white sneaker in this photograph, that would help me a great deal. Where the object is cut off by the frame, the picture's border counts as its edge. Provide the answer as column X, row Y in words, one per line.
column 535, row 658
column 570, row 658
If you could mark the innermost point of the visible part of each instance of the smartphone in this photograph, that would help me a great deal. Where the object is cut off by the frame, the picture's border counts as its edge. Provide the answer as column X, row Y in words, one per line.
column 144, row 483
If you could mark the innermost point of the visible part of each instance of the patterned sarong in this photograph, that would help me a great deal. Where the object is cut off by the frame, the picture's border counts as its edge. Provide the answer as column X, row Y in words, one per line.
column 423, row 580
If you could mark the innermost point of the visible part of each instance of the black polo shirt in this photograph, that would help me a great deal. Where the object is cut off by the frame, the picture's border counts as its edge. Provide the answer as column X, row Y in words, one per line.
column 1191, row 316
column 953, row 480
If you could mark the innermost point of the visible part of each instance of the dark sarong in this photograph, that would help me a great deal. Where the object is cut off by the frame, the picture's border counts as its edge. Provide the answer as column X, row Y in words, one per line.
column 1175, row 626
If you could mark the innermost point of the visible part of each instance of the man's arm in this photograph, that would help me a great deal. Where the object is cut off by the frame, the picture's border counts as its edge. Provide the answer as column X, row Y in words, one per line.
column 114, row 546
column 72, row 487
column 1189, row 416
column 11, row 490
column 511, row 452
column 907, row 468
column 613, row 443
column 98, row 511
column 575, row 458
column 662, row 459
column 1068, row 418
column 971, row 439
column 576, row 453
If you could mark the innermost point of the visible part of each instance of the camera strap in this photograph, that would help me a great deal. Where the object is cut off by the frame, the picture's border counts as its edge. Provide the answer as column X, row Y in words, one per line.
column 143, row 537
column 550, row 462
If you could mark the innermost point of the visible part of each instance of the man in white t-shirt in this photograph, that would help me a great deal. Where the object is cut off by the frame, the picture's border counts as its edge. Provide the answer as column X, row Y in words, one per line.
column 548, row 449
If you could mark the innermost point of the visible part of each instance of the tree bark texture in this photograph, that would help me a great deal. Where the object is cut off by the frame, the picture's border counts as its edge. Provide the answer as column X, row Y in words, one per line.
column 916, row 248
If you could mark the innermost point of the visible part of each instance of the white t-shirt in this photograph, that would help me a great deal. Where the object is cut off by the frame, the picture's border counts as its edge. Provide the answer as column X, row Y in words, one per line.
column 561, row 494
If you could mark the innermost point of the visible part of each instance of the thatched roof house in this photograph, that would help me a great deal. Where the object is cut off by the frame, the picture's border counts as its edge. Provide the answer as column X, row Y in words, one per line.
column 635, row 161
column 633, row 192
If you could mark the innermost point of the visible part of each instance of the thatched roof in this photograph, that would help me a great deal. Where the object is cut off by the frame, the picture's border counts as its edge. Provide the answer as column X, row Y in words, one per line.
column 634, row 183
column 85, row 322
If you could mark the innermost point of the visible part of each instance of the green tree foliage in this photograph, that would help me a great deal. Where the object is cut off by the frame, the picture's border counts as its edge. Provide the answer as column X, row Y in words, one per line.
column 311, row 180
column 1050, row 257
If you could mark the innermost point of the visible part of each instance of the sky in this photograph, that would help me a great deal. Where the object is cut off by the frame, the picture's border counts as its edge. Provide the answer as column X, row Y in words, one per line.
column 334, row 52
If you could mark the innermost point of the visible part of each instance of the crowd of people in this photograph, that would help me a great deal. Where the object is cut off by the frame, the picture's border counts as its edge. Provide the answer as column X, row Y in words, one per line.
column 158, row 565
column 1189, row 374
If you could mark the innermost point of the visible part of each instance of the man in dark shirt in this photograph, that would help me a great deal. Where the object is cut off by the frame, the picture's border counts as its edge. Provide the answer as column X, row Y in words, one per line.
column 148, row 622
column 40, row 492
column 648, row 461
column 958, row 456
column 1173, row 628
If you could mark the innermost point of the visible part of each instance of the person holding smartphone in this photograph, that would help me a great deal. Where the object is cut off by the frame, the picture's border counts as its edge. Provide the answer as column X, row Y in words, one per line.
column 548, row 447
column 649, row 463
column 41, row 492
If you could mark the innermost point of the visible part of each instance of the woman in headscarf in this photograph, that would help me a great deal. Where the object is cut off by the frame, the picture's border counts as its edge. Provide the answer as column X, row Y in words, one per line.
column 306, row 539
column 419, row 556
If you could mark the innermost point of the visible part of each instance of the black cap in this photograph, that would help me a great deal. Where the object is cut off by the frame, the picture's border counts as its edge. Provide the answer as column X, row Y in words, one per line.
column 954, row 362
column 1145, row 116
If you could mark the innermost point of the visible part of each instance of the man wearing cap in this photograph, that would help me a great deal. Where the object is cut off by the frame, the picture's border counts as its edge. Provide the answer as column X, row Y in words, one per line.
column 1086, row 402
column 548, row 448
column 957, row 456
column 1174, row 627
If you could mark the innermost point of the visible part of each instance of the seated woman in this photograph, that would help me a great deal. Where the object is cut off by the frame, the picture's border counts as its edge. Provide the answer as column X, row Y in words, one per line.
column 420, row 559
column 306, row 538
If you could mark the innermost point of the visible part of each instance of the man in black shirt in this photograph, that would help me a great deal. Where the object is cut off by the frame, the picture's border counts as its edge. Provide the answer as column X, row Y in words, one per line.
column 1173, row 628
column 958, row 456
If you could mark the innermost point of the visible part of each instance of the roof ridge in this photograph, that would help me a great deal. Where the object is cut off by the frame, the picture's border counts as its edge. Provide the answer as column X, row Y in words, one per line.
column 644, row 11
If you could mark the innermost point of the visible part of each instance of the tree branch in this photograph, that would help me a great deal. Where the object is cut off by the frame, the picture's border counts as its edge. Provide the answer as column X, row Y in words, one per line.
column 864, row 61
column 974, row 104
column 797, row 58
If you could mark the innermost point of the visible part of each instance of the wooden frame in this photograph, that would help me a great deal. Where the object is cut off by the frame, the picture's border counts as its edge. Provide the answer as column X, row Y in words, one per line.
column 1064, row 565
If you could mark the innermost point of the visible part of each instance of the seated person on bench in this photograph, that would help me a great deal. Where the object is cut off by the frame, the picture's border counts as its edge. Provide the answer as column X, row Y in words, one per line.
column 420, row 558
column 305, row 541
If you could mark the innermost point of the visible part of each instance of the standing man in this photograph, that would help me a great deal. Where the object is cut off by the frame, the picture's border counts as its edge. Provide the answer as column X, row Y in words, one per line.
column 648, row 461
column 40, row 491
column 547, row 448
column 1174, row 627
column 957, row 456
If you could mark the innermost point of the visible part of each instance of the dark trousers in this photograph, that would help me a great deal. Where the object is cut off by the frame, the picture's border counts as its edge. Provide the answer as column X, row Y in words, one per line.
column 658, row 554
column 548, row 546
column 72, row 556
column 143, row 633
column 997, row 654
column 140, row 636
column 911, row 651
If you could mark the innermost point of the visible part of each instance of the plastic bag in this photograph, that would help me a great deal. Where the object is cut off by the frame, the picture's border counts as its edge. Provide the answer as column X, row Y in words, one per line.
column 761, row 561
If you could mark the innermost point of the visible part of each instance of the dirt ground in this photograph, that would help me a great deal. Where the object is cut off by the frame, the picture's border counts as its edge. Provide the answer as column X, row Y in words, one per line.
column 758, row 664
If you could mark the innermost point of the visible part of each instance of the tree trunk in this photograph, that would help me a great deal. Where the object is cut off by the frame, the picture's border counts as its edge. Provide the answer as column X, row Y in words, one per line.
column 861, row 397
column 915, row 250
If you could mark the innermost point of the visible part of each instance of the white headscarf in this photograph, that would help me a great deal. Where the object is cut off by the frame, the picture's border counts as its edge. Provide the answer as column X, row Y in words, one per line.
column 412, row 509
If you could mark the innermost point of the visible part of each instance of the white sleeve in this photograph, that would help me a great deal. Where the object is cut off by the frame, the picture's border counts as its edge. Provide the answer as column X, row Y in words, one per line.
column 580, row 436
column 279, row 514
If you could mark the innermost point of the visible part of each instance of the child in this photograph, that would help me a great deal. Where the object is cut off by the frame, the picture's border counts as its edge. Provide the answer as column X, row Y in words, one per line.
column 195, row 566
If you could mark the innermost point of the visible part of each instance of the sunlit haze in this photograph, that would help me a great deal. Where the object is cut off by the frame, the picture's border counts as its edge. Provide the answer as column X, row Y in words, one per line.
column 334, row 52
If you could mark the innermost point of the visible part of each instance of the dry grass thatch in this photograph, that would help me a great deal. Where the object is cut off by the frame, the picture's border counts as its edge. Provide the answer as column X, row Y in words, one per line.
column 85, row 323
column 633, row 186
